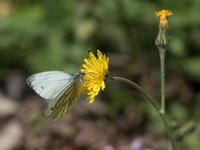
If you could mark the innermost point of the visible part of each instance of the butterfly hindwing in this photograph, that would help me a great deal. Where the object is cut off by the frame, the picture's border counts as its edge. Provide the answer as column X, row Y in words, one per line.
column 63, row 102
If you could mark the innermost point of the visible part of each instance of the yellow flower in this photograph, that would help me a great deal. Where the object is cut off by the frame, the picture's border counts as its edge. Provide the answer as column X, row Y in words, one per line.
column 164, row 14
column 95, row 70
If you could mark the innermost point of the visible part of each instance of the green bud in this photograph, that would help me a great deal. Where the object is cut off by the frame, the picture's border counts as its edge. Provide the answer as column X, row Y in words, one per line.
column 162, row 39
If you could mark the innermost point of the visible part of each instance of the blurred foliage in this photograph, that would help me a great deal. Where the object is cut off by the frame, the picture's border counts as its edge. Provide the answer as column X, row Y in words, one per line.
column 40, row 35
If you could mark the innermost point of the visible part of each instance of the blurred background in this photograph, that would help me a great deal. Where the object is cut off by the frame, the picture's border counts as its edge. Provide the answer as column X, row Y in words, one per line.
column 43, row 35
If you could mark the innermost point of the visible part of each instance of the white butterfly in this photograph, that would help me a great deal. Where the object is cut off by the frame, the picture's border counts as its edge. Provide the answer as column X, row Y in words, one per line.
column 61, row 90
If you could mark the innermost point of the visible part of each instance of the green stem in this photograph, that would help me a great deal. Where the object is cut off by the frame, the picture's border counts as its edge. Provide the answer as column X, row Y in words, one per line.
column 151, row 100
column 162, row 71
column 168, row 130
column 155, row 105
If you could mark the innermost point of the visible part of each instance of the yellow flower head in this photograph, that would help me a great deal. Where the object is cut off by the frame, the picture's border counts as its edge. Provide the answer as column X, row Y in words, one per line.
column 164, row 14
column 95, row 70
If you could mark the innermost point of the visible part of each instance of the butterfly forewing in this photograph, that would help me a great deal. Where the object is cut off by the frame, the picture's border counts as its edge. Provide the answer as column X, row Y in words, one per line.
column 49, row 84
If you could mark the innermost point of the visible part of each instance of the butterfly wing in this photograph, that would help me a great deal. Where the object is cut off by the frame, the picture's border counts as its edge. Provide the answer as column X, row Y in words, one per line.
column 63, row 102
column 49, row 84
column 61, row 90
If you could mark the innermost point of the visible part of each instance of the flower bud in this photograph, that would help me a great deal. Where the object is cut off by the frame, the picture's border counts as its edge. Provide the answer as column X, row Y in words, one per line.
column 162, row 39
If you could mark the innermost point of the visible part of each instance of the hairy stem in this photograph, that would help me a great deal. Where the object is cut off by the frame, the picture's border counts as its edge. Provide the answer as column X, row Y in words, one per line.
column 133, row 84
column 155, row 105
column 162, row 71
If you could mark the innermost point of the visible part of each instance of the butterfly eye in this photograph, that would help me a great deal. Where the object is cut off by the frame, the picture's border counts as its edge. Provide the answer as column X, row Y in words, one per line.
column 89, row 50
